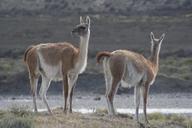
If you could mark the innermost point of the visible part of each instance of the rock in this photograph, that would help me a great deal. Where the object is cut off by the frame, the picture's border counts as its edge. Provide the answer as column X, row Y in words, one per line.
column 97, row 98
column 79, row 97
column 13, row 98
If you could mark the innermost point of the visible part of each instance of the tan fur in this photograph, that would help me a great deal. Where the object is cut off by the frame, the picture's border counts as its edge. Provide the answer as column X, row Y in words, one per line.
column 131, row 70
column 31, row 61
column 139, row 62
column 53, row 54
column 26, row 52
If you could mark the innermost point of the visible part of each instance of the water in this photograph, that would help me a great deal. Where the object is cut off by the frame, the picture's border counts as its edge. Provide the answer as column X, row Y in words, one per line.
column 132, row 110
column 179, row 103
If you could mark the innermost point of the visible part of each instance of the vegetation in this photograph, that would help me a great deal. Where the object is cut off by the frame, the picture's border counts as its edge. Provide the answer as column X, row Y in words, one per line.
column 22, row 118
column 16, row 118
column 177, row 67
column 10, row 66
column 180, row 120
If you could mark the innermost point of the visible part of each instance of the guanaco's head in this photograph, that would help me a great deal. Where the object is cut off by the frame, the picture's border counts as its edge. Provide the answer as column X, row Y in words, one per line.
column 156, row 43
column 83, row 28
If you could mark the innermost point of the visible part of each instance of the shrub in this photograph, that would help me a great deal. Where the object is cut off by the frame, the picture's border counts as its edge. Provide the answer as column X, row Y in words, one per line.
column 12, row 121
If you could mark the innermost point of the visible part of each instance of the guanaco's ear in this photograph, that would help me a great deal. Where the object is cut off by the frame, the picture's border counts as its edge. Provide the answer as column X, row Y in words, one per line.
column 81, row 19
column 88, row 20
column 152, row 36
column 162, row 37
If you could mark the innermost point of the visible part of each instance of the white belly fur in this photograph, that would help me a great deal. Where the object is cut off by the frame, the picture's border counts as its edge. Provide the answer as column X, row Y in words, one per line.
column 131, row 77
column 52, row 72
column 124, row 84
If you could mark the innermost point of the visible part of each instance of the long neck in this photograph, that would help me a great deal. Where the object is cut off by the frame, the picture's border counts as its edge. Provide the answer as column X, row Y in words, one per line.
column 154, row 58
column 84, row 43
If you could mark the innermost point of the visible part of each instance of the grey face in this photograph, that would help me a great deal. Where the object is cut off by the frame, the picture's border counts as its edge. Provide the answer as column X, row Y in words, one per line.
column 81, row 29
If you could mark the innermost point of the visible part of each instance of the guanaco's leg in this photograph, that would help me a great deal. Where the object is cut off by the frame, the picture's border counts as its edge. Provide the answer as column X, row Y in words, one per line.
column 108, row 81
column 44, row 87
column 72, row 78
column 71, row 97
column 110, row 96
column 34, row 82
column 117, row 70
column 32, row 66
column 137, row 94
column 145, row 96
column 65, row 92
column 107, row 74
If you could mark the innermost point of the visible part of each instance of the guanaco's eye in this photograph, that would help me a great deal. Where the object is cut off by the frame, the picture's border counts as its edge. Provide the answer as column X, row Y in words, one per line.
column 83, row 27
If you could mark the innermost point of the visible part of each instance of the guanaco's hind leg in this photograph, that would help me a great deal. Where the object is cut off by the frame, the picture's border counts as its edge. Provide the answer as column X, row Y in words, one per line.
column 110, row 95
column 108, row 81
column 33, row 76
column 34, row 82
column 116, row 68
column 107, row 74
column 32, row 66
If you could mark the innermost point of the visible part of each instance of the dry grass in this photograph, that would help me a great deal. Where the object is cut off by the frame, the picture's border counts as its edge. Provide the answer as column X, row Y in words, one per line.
column 16, row 117
column 169, row 120
column 77, row 120
column 22, row 118
column 101, row 120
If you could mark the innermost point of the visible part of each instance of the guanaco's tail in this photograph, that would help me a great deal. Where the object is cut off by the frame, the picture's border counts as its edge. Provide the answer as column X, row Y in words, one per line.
column 26, row 52
column 100, row 55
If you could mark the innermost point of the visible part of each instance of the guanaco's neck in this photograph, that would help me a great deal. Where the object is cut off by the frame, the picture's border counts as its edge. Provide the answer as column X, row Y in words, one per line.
column 83, row 53
column 154, row 58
